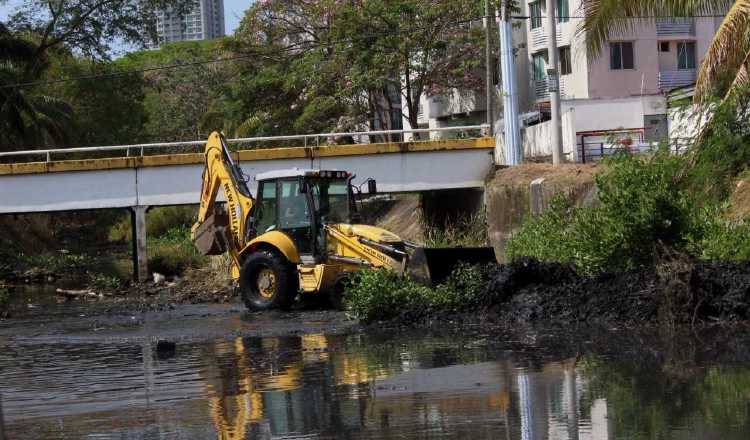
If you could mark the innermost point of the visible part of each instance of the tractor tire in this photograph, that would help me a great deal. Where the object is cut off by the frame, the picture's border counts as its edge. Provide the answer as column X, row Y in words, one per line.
column 267, row 281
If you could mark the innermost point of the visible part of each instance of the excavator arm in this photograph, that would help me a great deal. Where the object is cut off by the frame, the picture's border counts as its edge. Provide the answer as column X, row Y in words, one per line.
column 222, row 229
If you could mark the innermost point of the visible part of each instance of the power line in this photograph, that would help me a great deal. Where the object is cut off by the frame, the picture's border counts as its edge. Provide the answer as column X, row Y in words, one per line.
column 298, row 46
column 625, row 17
column 291, row 48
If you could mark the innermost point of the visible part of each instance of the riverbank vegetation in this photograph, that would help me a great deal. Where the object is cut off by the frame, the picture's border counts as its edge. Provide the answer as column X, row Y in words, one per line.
column 661, row 245
column 652, row 204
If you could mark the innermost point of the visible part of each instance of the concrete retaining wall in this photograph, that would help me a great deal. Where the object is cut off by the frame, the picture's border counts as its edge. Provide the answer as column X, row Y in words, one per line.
column 511, row 198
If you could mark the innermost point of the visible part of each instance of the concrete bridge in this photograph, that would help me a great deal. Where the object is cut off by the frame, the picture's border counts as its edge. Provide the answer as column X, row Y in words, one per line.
column 140, row 176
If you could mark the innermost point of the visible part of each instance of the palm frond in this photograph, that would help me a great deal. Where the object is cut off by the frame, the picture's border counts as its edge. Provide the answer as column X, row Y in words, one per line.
column 728, row 50
column 606, row 18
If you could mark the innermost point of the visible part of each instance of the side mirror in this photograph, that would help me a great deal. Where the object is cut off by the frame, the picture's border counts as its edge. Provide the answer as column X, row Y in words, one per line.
column 372, row 186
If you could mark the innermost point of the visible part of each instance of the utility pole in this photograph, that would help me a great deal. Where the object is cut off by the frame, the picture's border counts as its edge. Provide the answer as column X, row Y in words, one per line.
column 553, row 84
column 513, row 152
column 488, row 67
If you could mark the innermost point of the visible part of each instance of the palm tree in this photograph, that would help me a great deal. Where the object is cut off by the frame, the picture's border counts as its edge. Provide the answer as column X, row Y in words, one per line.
column 724, row 69
column 27, row 118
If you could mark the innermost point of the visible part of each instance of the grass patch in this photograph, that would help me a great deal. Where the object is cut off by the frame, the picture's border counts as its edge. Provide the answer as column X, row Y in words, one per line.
column 173, row 253
column 468, row 230
column 103, row 282
column 374, row 295
column 159, row 221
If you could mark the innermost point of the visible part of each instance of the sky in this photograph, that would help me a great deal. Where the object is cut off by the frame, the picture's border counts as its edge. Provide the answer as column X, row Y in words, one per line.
column 233, row 11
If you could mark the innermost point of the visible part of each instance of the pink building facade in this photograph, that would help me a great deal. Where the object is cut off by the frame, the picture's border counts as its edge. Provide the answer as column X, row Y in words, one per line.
column 626, row 83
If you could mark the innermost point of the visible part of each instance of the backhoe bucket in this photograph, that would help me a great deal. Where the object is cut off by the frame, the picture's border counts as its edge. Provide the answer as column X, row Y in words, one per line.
column 210, row 237
column 431, row 266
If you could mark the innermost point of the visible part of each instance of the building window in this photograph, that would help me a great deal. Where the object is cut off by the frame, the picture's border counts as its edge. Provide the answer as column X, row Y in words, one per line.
column 664, row 46
column 539, row 62
column 535, row 12
column 685, row 55
column 563, row 15
column 566, row 66
column 621, row 55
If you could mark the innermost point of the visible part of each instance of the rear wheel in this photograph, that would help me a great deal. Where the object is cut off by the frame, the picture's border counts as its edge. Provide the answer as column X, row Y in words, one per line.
column 267, row 281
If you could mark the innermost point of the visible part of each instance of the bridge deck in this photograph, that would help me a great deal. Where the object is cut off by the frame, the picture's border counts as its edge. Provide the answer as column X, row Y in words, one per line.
column 171, row 179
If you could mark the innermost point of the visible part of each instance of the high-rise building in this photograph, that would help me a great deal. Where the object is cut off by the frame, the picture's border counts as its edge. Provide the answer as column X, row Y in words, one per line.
column 205, row 21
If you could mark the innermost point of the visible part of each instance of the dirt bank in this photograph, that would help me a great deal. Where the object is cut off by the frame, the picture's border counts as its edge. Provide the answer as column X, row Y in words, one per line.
column 509, row 198
column 678, row 292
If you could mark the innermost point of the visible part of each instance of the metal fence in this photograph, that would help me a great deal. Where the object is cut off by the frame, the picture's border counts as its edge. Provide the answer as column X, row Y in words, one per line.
column 590, row 151
column 297, row 140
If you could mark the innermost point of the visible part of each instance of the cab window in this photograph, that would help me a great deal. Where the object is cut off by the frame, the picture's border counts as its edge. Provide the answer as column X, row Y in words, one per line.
column 293, row 212
column 294, row 215
column 266, row 214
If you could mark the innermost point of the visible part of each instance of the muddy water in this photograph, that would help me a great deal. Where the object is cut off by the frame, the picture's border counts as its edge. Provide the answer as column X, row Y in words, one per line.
column 362, row 385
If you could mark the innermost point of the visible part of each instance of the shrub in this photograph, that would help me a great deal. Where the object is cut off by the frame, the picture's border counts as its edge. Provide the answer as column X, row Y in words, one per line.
column 383, row 294
column 460, row 290
column 723, row 151
column 640, row 208
column 547, row 236
column 720, row 238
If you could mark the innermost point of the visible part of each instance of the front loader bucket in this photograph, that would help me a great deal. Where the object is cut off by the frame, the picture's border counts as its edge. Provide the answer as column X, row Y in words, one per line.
column 210, row 237
column 431, row 266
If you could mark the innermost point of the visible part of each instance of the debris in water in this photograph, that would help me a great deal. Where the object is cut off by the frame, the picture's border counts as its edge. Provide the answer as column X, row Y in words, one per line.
column 159, row 278
column 165, row 349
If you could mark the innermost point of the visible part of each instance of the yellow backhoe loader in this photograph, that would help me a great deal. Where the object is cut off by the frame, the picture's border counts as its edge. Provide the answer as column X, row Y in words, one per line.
column 299, row 234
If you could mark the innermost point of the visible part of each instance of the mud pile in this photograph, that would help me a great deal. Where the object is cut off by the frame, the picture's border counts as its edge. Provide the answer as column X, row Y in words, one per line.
column 672, row 293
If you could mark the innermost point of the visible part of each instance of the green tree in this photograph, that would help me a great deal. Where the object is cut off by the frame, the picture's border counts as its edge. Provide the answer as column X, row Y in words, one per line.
column 414, row 47
column 290, row 80
column 27, row 118
column 315, row 66
column 178, row 103
column 104, row 112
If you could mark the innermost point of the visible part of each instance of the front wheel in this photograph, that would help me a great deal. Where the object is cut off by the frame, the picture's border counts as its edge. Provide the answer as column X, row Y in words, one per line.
column 267, row 281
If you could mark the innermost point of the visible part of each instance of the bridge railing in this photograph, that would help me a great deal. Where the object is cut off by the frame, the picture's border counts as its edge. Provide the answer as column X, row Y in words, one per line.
column 302, row 140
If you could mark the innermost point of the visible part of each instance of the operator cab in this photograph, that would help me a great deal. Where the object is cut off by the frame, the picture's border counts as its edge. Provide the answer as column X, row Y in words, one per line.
column 300, row 202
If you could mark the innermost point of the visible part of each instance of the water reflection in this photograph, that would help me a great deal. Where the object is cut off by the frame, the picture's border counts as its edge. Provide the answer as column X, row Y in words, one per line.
column 357, row 386
column 2, row 419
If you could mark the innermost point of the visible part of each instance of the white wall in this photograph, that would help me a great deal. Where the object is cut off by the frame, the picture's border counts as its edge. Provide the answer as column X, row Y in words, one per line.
column 581, row 115
column 685, row 123
column 614, row 113
column 537, row 139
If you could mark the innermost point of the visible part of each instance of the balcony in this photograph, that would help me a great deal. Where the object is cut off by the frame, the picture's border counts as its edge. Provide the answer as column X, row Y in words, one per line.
column 675, row 26
column 541, row 91
column 538, row 37
column 672, row 79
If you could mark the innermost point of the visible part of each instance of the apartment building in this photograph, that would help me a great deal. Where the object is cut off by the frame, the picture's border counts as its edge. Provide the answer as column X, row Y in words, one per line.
column 205, row 21
column 621, row 88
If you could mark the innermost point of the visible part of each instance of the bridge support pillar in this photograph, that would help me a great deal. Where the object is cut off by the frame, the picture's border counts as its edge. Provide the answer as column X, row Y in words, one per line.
column 140, row 250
